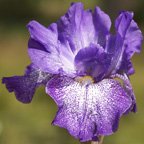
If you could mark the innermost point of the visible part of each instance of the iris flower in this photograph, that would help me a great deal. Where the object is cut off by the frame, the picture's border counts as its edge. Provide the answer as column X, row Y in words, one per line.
column 84, row 68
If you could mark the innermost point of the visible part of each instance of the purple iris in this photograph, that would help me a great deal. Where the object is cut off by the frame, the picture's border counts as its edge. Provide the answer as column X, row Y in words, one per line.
column 77, row 60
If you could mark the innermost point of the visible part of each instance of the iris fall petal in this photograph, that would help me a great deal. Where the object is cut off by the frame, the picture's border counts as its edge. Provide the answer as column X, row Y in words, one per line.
column 24, row 86
column 88, row 110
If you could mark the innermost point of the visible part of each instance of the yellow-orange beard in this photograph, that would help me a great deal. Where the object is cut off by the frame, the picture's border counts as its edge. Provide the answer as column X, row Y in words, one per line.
column 85, row 80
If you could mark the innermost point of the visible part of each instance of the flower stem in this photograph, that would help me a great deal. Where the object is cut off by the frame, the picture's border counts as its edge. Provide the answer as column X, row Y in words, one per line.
column 101, row 139
column 96, row 142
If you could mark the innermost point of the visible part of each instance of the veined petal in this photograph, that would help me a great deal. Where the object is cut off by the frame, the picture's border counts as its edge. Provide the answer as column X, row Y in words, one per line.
column 132, row 44
column 46, row 61
column 128, row 88
column 77, row 27
column 47, row 52
column 87, row 111
column 43, row 48
column 128, row 40
column 46, row 37
column 81, row 28
column 24, row 86
column 102, row 24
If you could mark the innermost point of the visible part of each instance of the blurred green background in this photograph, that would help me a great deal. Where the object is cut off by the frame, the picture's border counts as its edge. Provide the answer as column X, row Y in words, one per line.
column 31, row 124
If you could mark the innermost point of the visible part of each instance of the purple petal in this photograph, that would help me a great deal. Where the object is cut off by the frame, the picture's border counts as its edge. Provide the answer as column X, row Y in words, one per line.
column 81, row 28
column 77, row 27
column 53, row 49
column 24, row 86
column 132, row 43
column 46, row 37
column 46, row 61
column 102, row 24
column 43, row 48
column 129, row 90
column 128, row 40
column 92, row 61
column 88, row 111
column 46, row 51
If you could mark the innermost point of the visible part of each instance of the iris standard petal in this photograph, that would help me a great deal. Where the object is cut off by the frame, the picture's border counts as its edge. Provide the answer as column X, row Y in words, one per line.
column 102, row 24
column 47, row 62
column 47, row 52
column 92, row 61
column 42, row 48
column 128, row 40
column 24, row 86
column 87, row 111
column 51, row 63
column 77, row 27
column 132, row 44
column 46, row 37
